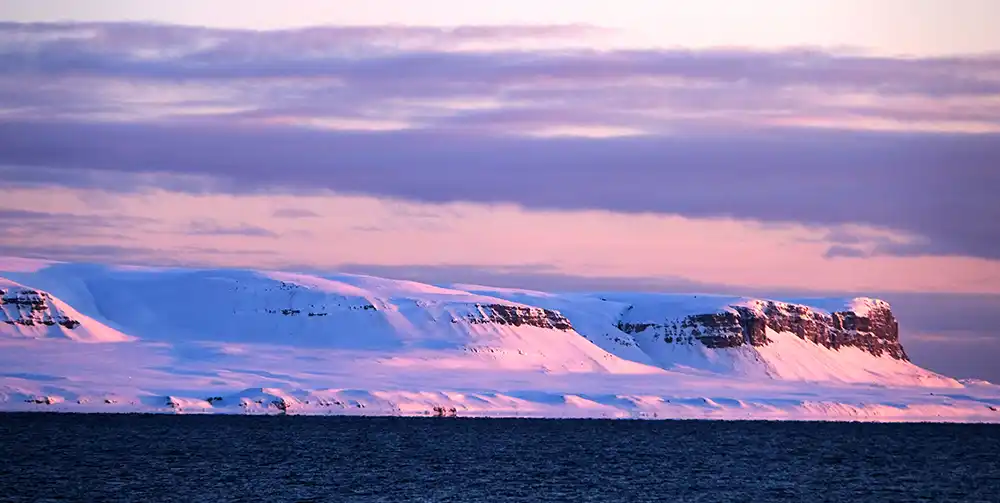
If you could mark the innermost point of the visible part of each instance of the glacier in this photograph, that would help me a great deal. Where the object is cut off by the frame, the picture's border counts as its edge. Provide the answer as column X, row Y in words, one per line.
column 99, row 338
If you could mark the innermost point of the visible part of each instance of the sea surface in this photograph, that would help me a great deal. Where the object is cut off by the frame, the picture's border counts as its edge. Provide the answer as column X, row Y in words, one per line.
column 105, row 457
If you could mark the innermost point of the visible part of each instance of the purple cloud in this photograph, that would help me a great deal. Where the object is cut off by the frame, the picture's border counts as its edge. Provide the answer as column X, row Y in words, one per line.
column 366, row 55
column 41, row 223
column 294, row 213
column 415, row 76
column 846, row 251
column 186, row 256
column 141, row 36
column 942, row 187
column 211, row 228
column 200, row 109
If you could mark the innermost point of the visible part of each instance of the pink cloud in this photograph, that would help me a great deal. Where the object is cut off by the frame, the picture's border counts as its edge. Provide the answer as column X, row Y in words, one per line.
column 365, row 230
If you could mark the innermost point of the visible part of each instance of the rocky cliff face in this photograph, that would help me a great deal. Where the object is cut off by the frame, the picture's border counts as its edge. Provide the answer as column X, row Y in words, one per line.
column 26, row 307
column 870, row 327
column 502, row 314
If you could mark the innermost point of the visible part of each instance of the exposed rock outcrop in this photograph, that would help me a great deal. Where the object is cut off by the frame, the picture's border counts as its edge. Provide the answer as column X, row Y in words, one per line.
column 870, row 327
column 440, row 411
column 44, row 399
column 27, row 307
column 502, row 314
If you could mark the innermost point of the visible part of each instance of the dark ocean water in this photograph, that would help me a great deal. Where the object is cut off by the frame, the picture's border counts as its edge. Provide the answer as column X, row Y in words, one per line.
column 75, row 457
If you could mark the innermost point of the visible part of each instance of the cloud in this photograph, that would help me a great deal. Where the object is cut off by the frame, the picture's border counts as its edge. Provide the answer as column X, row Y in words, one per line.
column 49, row 225
column 185, row 256
column 419, row 77
column 498, row 114
column 846, row 251
column 530, row 276
column 211, row 228
column 416, row 55
column 131, row 38
column 294, row 213
column 80, row 252
column 954, row 337
column 581, row 242
column 939, row 188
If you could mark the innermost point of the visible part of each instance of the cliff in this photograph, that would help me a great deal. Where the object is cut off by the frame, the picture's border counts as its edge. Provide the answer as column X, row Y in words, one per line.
column 867, row 324
column 27, row 307
column 503, row 314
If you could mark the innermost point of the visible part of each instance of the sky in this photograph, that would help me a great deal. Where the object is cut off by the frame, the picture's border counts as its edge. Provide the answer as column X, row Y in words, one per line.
column 841, row 146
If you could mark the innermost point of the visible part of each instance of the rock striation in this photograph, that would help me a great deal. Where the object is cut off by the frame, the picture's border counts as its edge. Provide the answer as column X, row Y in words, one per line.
column 869, row 326
column 502, row 314
column 27, row 307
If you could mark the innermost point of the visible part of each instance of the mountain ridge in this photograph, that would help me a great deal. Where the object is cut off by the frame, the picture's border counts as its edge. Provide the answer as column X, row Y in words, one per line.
column 209, row 329
column 714, row 321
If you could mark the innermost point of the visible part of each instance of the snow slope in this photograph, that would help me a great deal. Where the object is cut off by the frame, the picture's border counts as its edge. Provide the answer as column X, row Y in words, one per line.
column 244, row 341
column 30, row 313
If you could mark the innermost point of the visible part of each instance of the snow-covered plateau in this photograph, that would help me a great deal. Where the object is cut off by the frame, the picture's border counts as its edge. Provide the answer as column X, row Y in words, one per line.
column 91, row 338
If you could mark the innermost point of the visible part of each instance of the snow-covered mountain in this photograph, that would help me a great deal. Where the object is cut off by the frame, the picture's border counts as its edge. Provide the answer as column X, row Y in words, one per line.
column 30, row 313
column 88, row 337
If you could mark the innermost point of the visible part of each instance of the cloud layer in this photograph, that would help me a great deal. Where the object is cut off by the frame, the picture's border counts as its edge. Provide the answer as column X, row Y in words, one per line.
column 514, row 114
column 533, row 79
column 330, row 231
column 939, row 188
